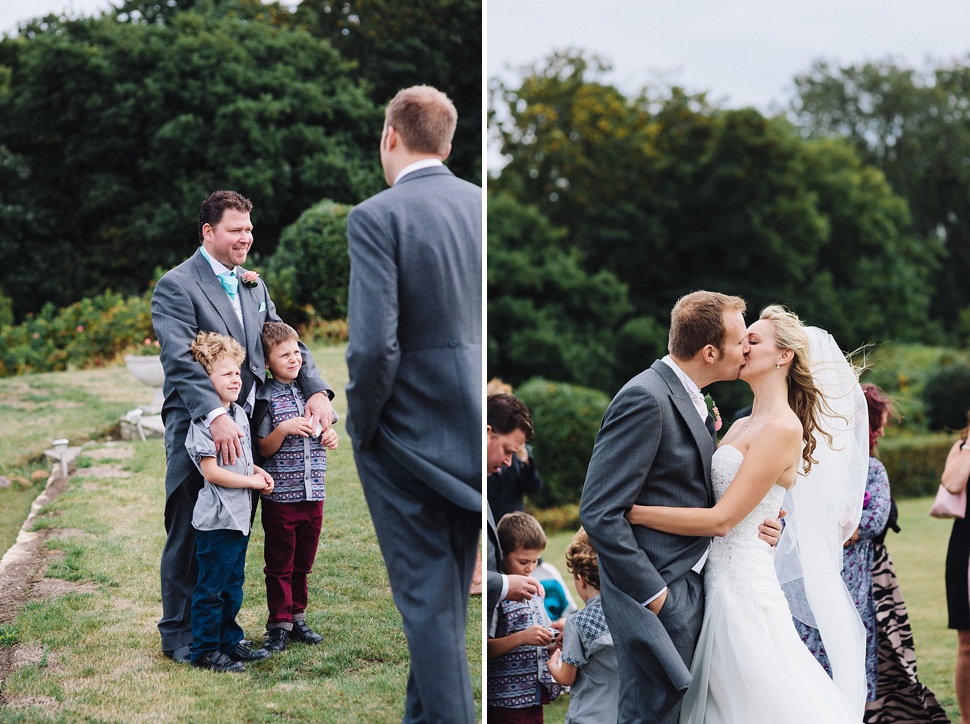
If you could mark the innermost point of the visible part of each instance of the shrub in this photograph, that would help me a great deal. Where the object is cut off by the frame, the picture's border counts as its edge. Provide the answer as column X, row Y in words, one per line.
column 946, row 397
column 309, row 273
column 555, row 520
column 566, row 419
column 915, row 464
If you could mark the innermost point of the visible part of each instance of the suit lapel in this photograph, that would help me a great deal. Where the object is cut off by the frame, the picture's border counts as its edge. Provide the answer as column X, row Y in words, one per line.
column 698, row 429
column 247, row 303
column 213, row 291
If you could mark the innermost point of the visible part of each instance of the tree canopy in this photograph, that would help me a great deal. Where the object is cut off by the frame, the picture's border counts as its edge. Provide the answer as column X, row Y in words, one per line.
column 668, row 194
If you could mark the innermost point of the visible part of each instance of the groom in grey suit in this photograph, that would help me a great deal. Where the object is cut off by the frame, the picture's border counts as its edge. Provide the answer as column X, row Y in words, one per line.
column 415, row 393
column 210, row 291
column 654, row 447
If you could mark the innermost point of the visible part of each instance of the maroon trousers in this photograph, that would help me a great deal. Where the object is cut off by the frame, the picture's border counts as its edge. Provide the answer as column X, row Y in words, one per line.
column 292, row 534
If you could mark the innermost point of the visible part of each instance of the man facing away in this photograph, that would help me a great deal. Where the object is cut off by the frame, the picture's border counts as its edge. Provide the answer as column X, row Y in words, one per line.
column 414, row 397
column 209, row 292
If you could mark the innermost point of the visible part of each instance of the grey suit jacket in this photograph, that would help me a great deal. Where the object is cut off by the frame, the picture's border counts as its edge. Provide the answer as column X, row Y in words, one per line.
column 653, row 449
column 493, row 565
column 187, row 300
column 415, row 317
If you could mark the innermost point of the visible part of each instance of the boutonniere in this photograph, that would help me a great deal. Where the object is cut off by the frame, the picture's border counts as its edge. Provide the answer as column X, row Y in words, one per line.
column 712, row 410
column 249, row 279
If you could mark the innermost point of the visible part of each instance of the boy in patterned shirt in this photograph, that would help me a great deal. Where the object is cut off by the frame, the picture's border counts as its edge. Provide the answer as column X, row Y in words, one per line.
column 296, row 456
column 518, row 681
column 587, row 661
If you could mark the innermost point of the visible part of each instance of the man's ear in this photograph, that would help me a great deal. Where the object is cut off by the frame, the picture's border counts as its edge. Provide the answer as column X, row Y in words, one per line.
column 709, row 354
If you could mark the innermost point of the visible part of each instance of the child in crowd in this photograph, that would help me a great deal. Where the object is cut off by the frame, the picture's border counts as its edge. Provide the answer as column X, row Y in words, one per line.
column 295, row 453
column 587, row 661
column 517, row 650
column 221, row 518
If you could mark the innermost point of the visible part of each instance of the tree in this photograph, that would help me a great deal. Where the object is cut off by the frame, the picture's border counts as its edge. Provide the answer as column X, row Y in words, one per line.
column 395, row 45
column 914, row 125
column 670, row 195
column 113, row 130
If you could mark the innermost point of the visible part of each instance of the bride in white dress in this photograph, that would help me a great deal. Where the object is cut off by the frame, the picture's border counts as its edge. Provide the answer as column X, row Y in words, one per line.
column 750, row 664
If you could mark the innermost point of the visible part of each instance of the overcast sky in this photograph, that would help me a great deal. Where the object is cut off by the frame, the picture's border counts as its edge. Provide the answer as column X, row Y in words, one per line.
column 13, row 12
column 743, row 52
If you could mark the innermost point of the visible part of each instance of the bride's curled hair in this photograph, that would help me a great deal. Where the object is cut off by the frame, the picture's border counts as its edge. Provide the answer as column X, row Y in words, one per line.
column 804, row 396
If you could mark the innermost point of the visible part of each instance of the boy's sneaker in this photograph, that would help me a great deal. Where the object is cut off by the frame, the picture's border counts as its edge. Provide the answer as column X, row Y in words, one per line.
column 244, row 651
column 218, row 661
column 276, row 639
column 302, row 632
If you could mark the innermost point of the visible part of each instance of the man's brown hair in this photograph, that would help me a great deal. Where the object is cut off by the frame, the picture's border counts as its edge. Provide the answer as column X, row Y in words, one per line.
column 215, row 206
column 424, row 117
column 507, row 414
column 697, row 320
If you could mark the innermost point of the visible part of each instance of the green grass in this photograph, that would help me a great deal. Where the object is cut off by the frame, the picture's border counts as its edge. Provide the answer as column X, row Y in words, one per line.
column 94, row 653
column 919, row 554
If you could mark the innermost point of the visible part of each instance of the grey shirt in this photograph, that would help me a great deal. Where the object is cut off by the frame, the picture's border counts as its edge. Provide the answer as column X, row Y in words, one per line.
column 588, row 645
column 220, row 508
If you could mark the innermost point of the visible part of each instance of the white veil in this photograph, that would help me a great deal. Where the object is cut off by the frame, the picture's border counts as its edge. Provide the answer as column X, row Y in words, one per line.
column 824, row 509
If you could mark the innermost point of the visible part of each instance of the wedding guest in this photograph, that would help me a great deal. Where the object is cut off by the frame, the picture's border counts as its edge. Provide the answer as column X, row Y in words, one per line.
column 508, row 487
column 210, row 292
column 221, row 518
column 954, row 479
column 518, row 682
column 586, row 663
column 900, row 696
column 292, row 514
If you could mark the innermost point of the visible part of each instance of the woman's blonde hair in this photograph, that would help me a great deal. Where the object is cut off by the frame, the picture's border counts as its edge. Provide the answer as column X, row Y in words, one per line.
column 804, row 397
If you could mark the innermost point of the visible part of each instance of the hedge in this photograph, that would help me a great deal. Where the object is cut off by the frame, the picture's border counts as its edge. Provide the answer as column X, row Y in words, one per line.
column 915, row 464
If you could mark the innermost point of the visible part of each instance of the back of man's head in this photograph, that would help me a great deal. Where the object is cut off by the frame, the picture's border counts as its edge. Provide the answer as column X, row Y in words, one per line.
column 425, row 118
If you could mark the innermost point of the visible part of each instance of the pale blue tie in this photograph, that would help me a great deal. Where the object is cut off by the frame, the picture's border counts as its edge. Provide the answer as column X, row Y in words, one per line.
column 229, row 283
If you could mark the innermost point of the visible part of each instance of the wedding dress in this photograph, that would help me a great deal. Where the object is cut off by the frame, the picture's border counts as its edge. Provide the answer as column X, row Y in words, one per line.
column 749, row 664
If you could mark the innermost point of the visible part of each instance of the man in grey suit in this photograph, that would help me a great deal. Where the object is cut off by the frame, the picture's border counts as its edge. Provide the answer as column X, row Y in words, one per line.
column 654, row 447
column 414, row 398
column 508, row 427
column 210, row 291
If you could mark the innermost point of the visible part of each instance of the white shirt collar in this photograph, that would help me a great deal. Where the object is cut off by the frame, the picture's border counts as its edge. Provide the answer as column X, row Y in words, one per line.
column 417, row 166
column 692, row 389
column 217, row 266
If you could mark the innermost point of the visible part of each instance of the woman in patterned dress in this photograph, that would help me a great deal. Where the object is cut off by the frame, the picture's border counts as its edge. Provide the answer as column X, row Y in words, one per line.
column 900, row 697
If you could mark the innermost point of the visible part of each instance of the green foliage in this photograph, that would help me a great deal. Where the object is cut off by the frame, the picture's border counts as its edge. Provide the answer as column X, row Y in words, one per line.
column 547, row 314
column 89, row 333
column 947, row 397
column 553, row 520
column 670, row 194
column 114, row 129
column 396, row 44
column 913, row 126
column 915, row 464
column 566, row 419
column 310, row 271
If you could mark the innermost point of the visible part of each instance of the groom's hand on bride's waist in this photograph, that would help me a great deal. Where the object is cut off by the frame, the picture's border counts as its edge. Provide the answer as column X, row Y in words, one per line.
column 770, row 531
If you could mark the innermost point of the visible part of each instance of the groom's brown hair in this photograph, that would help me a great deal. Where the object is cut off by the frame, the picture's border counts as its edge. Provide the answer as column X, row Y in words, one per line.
column 697, row 319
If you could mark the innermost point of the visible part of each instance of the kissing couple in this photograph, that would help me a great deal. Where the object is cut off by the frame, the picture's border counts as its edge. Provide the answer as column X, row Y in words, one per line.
column 687, row 531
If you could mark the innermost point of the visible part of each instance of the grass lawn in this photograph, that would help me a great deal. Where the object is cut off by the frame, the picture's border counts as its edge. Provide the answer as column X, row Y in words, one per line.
column 919, row 554
column 93, row 654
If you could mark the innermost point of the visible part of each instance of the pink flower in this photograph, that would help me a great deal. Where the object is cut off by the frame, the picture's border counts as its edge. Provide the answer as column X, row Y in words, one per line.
column 36, row 335
column 80, row 328
column 249, row 278
column 717, row 418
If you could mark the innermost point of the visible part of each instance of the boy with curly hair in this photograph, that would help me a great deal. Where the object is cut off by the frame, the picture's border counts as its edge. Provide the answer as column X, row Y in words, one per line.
column 587, row 661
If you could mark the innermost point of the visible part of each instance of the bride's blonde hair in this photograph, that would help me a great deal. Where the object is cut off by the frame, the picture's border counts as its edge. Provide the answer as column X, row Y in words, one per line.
column 804, row 397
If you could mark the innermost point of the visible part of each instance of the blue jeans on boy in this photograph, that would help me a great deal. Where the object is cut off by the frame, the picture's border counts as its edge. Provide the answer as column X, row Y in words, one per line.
column 218, row 592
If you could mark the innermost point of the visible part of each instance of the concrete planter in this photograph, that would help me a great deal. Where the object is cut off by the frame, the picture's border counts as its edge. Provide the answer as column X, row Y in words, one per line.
column 148, row 370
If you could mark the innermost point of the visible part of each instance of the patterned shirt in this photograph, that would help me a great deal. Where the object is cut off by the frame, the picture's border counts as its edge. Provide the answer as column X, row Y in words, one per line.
column 588, row 645
column 516, row 678
column 299, row 467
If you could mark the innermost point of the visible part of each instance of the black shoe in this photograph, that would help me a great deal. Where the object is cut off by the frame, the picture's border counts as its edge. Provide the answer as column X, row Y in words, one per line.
column 179, row 654
column 218, row 661
column 244, row 651
column 303, row 633
column 276, row 639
